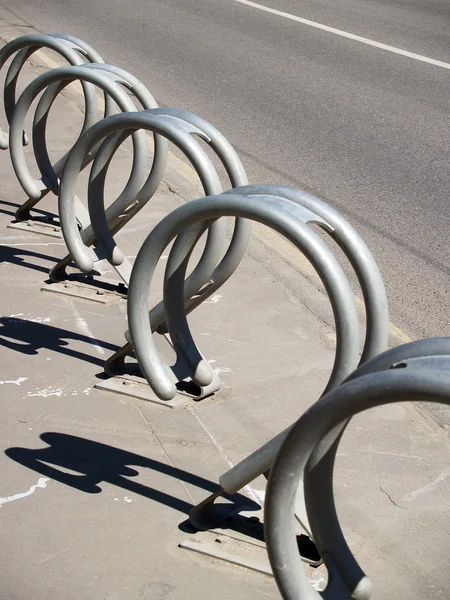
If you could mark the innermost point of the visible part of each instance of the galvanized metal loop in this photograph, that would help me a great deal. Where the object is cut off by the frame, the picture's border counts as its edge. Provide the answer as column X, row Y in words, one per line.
column 121, row 77
column 62, row 76
column 178, row 128
column 358, row 254
column 103, row 221
column 144, row 120
column 70, row 48
column 308, row 453
column 354, row 247
column 140, row 93
column 273, row 212
column 308, row 209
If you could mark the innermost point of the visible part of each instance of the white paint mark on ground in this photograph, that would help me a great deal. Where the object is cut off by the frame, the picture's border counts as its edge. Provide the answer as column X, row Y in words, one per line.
column 429, row 487
column 9, row 238
column 15, row 319
column 318, row 584
column 18, row 381
column 260, row 495
column 345, row 34
column 84, row 328
column 29, row 319
column 219, row 370
column 213, row 299
column 38, row 244
column 46, row 392
column 127, row 499
column 42, row 483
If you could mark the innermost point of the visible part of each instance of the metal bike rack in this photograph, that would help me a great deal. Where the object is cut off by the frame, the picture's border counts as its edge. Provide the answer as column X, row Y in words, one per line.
column 289, row 212
column 299, row 461
column 76, row 52
column 419, row 372
column 69, row 47
column 177, row 126
column 347, row 350
column 112, row 81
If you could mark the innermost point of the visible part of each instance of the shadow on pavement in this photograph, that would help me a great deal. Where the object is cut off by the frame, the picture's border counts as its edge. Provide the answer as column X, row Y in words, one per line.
column 97, row 463
column 39, row 213
column 28, row 337
column 14, row 256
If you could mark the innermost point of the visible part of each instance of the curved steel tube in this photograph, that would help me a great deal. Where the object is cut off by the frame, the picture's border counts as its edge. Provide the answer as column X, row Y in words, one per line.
column 192, row 125
column 358, row 254
column 316, row 211
column 195, row 290
column 136, row 192
column 61, row 76
column 84, row 256
column 124, row 79
column 275, row 213
column 425, row 378
column 69, row 47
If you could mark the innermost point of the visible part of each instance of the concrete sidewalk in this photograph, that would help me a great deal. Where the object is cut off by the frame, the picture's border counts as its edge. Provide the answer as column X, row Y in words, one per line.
column 95, row 487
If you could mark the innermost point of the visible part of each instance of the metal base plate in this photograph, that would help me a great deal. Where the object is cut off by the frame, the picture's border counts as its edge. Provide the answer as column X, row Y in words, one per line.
column 242, row 543
column 231, row 550
column 38, row 227
column 85, row 290
column 136, row 387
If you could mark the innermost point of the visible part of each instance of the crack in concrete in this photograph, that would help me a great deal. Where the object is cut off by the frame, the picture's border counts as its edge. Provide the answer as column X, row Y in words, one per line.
column 394, row 503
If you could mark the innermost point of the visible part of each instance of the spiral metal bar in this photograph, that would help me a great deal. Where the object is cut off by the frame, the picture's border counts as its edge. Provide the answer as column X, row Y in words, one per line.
column 71, row 48
column 179, row 128
column 419, row 371
column 53, row 82
column 186, row 225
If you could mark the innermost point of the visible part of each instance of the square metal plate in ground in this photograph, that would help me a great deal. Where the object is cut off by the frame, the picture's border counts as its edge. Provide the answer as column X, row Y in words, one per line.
column 237, row 550
column 240, row 541
column 38, row 227
column 85, row 290
column 231, row 550
column 137, row 387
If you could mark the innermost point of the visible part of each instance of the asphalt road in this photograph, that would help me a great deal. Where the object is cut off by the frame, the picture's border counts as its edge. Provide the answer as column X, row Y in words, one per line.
column 362, row 127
